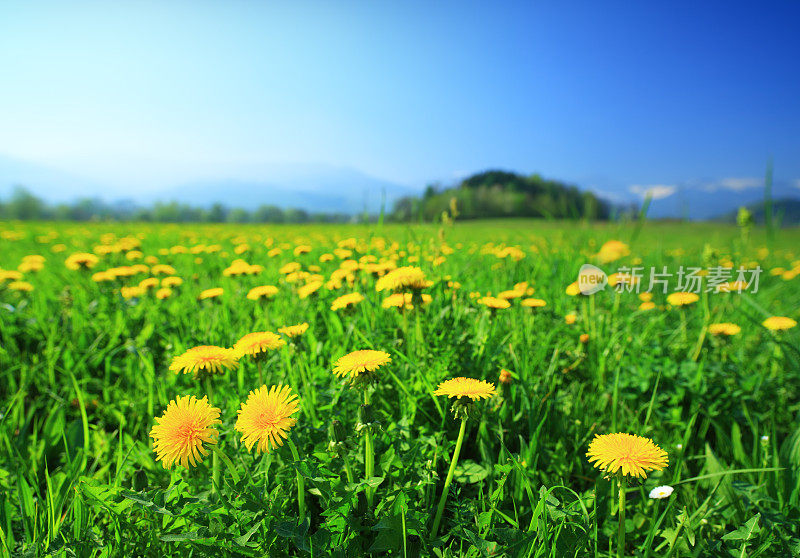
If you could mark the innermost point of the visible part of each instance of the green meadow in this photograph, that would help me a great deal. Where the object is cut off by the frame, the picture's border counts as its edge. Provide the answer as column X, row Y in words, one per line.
column 86, row 351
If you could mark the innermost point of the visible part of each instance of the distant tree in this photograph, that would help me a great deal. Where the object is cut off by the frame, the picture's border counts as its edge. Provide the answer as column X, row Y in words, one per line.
column 217, row 213
column 238, row 215
column 24, row 205
column 268, row 214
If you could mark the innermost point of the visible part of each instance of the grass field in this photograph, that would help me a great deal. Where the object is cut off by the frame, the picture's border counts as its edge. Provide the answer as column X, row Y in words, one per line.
column 85, row 360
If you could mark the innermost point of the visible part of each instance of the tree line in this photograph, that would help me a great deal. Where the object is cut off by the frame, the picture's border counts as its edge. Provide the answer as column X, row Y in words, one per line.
column 23, row 205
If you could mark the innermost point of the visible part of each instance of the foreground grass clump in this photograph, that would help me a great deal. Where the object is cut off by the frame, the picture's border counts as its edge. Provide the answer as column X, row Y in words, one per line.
column 239, row 390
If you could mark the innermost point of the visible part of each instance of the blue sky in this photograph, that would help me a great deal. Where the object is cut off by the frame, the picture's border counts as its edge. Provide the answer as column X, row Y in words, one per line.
column 609, row 95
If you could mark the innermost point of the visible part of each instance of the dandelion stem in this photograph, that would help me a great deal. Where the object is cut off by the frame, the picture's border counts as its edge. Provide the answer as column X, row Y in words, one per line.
column 449, row 479
column 214, row 456
column 260, row 372
column 301, row 492
column 369, row 455
column 621, row 530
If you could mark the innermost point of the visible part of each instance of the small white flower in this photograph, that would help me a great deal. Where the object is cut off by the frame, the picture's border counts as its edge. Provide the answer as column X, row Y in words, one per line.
column 679, row 447
column 660, row 492
column 765, row 439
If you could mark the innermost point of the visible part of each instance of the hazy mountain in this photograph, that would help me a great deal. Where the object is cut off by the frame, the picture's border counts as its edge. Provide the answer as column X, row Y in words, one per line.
column 785, row 211
column 313, row 187
column 710, row 200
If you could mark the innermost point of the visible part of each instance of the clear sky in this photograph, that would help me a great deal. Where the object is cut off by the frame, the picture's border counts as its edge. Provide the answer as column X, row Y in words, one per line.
column 607, row 94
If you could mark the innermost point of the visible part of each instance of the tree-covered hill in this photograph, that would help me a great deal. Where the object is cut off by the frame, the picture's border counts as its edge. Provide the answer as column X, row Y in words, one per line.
column 497, row 193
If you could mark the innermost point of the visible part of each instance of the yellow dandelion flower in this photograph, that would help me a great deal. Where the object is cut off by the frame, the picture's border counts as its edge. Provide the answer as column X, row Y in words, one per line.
column 81, row 260
column 265, row 419
column 466, row 387
column 533, row 302
column 308, row 289
column 573, row 289
column 171, row 281
column 179, row 434
column 612, row 251
column 208, row 359
column 20, row 286
column 259, row 342
column 570, row 318
column 132, row 292
column 294, row 330
column 163, row 292
column 725, row 328
column 211, row 293
column 262, row 292
column 645, row 297
column 682, row 299
column 360, row 362
column 289, row 268
column 647, row 305
column 631, row 455
column 10, row 275
column 494, row 302
column 778, row 323
column 402, row 278
column 346, row 300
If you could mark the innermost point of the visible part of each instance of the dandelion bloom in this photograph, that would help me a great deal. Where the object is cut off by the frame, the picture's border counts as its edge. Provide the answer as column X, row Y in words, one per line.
column 682, row 299
column 266, row 417
column 172, row 281
column 163, row 292
column 402, row 278
column 264, row 291
column 493, row 302
column 647, row 305
column 294, row 330
column 148, row 283
column 259, row 342
column 20, row 286
column 81, row 260
column 132, row 292
column 612, row 251
column 359, row 362
column 466, row 387
column 570, row 318
column 205, row 358
column 346, row 300
column 10, row 275
column 308, row 289
column 505, row 376
column 724, row 328
column 211, row 293
column 632, row 455
column 778, row 323
column 533, row 302
column 573, row 289
column 661, row 492
column 179, row 434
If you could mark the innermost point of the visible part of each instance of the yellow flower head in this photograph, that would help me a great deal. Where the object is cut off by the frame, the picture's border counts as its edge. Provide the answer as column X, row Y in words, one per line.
column 466, row 387
column 179, row 434
column 682, row 299
column 573, row 289
column 346, row 300
column 258, row 342
column 262, row 292
column 493, row 302
column 533, row 302
column 172, row 281
column 211, row 293
column 294, row 330
column 631, row 455
column 205, row 359
column 20, row 286
column 612, row 251
column 81, row 260
column 403, row 278
column 724, row 329
column 360, row 362
column 163, row 292
column 647, row 305
column 308, row 289
column 778, row 323
column 265, row 419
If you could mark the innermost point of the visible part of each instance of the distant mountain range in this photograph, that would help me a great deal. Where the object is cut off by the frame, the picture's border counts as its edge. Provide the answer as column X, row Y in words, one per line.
column 713, row 199
column 332, row 189
column 784, row 211
column 313, row 187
